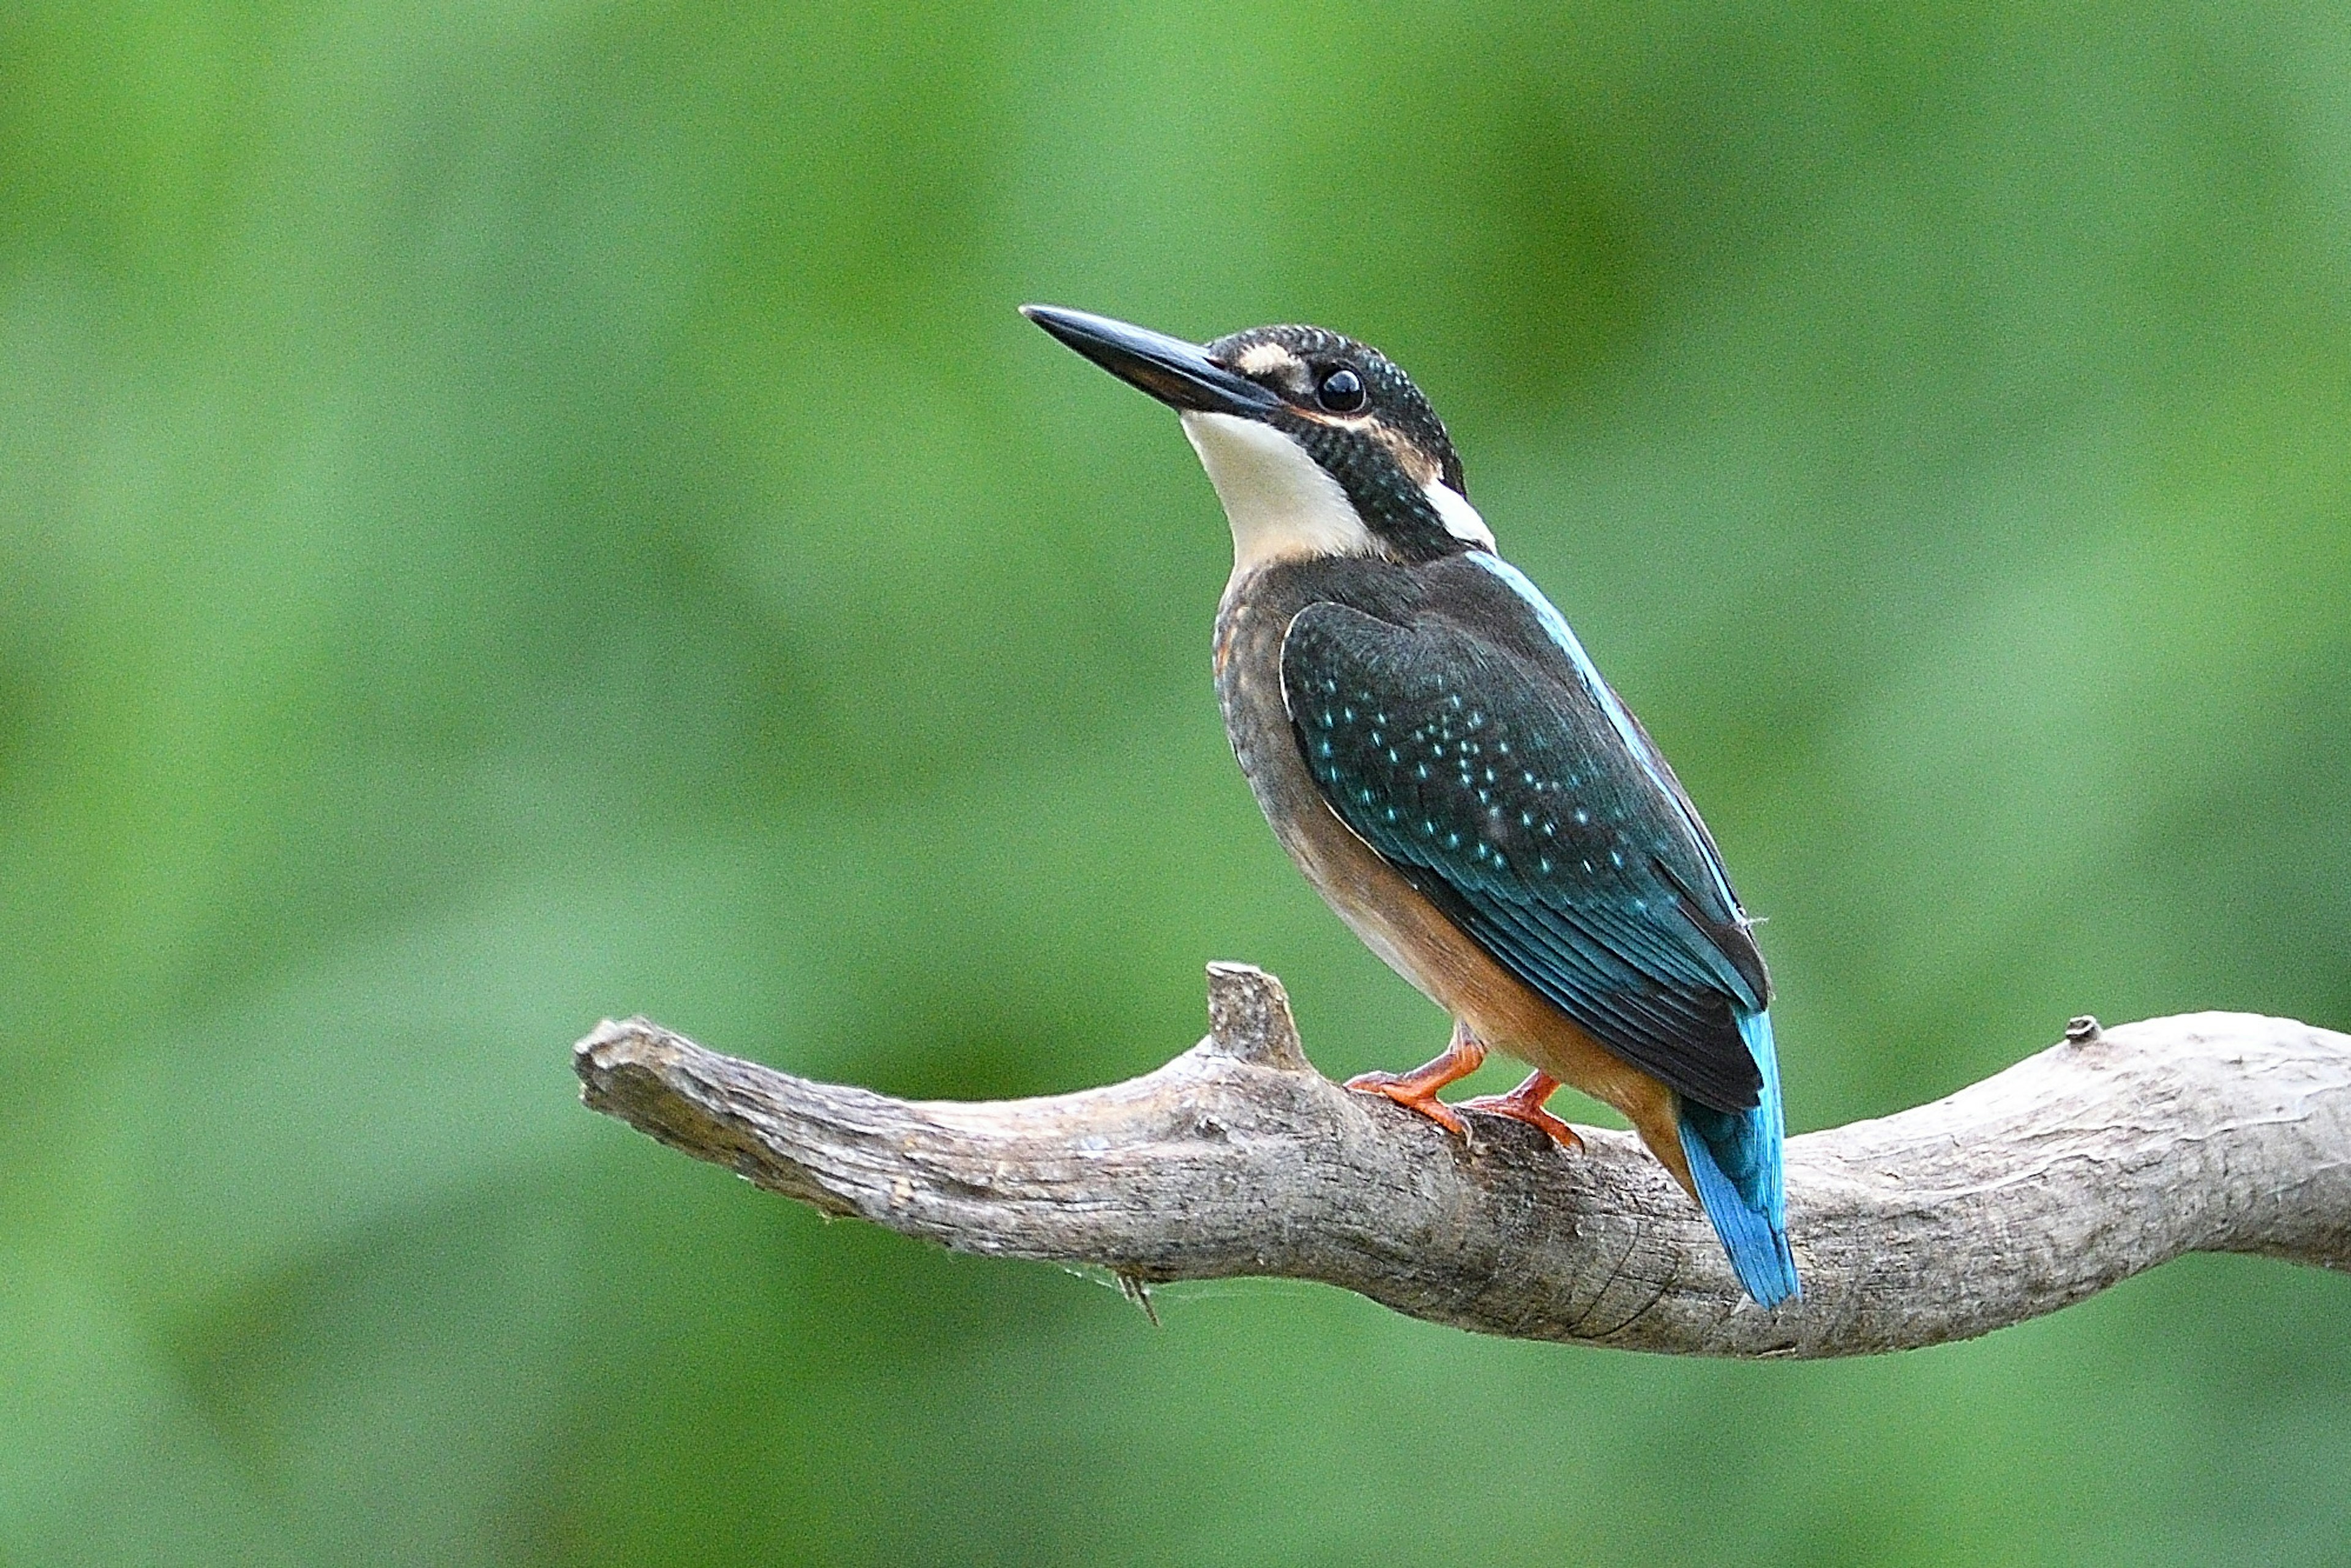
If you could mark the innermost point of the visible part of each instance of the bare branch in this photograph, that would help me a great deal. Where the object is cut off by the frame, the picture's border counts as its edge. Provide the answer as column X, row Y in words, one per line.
column 2109, row 1154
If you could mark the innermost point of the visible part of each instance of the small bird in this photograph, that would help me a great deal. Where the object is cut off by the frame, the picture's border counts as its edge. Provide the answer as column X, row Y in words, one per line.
column 1441, row 758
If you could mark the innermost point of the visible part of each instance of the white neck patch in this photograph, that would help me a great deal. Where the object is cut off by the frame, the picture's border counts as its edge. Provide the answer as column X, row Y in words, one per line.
column 1280, row 502
column 1459, row 517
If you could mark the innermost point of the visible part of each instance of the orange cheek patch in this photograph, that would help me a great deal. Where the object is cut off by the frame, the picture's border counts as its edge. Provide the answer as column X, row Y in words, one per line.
column 1419, row 466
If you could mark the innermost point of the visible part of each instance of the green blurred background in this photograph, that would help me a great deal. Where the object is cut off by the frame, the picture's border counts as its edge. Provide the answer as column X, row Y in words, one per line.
column 512, row 513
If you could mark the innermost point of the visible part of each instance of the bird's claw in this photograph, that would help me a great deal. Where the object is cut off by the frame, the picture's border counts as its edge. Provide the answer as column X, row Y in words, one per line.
column 1416, row 1089
column 1400, row 1088
column 1518, row 1110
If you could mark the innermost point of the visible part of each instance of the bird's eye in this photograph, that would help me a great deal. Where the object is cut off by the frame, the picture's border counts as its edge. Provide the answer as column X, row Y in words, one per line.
column 1342, row 392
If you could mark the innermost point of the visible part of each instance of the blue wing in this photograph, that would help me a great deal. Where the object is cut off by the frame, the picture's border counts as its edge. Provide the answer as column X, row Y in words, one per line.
column 1501, row 775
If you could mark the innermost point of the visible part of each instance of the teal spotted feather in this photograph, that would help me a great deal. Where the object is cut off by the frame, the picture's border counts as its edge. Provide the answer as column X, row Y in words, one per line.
column 1504, row 781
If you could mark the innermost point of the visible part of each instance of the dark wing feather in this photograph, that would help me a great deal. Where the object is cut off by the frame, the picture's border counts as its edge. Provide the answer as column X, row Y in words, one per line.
column 1505, row 793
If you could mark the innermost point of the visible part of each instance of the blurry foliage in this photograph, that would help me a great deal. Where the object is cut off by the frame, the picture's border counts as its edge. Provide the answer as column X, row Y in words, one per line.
column 511, row 513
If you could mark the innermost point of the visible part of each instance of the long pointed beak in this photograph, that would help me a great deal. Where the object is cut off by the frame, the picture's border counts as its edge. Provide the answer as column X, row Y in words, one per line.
column 1176, row 372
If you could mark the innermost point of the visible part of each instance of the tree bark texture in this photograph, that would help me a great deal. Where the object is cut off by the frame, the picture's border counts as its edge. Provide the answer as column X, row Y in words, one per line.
column 2107, row 1154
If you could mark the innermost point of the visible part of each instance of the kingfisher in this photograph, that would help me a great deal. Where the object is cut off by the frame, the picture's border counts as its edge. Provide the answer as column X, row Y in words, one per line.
column 1444, row 762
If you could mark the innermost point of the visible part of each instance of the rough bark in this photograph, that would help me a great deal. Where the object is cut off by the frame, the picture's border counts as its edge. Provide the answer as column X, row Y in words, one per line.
column 2109, row 1153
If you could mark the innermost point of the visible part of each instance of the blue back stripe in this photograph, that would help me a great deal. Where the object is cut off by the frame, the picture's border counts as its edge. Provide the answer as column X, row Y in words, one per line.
column 1555, row 625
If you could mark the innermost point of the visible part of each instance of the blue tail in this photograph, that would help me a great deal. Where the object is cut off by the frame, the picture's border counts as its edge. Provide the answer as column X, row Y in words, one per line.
column 1734, row 1159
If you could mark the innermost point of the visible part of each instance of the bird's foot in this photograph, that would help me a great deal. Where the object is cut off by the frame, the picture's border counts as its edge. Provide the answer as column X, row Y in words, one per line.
column 1399, row 1087
column 1416, row 1089
column 1525, row 1104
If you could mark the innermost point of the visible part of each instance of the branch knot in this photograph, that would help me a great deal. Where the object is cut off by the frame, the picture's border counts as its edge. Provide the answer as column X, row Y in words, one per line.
column 1250, row 1020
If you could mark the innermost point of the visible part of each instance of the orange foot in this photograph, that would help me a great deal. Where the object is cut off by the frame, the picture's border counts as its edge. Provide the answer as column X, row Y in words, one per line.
column 1416, row 1089
column 1525, row 1104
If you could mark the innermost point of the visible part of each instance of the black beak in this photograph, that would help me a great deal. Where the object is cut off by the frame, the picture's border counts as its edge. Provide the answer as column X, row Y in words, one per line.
column 1171, row 370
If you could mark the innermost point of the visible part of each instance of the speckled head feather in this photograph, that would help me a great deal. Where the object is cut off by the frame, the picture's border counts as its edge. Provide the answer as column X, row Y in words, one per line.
column 1293, row 360
column 1388, row 454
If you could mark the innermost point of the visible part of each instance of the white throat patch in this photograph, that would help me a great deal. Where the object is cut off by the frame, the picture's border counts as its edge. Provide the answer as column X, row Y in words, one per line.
column 1280, row 502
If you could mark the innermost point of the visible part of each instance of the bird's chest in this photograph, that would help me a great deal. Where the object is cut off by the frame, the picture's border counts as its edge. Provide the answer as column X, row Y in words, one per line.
column 1390, row 917
column 1257, row 720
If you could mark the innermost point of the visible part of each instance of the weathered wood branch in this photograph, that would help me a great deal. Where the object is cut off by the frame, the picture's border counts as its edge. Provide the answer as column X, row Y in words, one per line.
column 2101, row 1156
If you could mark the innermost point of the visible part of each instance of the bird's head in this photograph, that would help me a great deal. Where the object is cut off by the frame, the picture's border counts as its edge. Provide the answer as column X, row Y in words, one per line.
column 1318, row 446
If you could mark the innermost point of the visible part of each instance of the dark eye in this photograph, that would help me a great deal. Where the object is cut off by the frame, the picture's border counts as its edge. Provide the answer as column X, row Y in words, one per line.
column 1342, row 392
